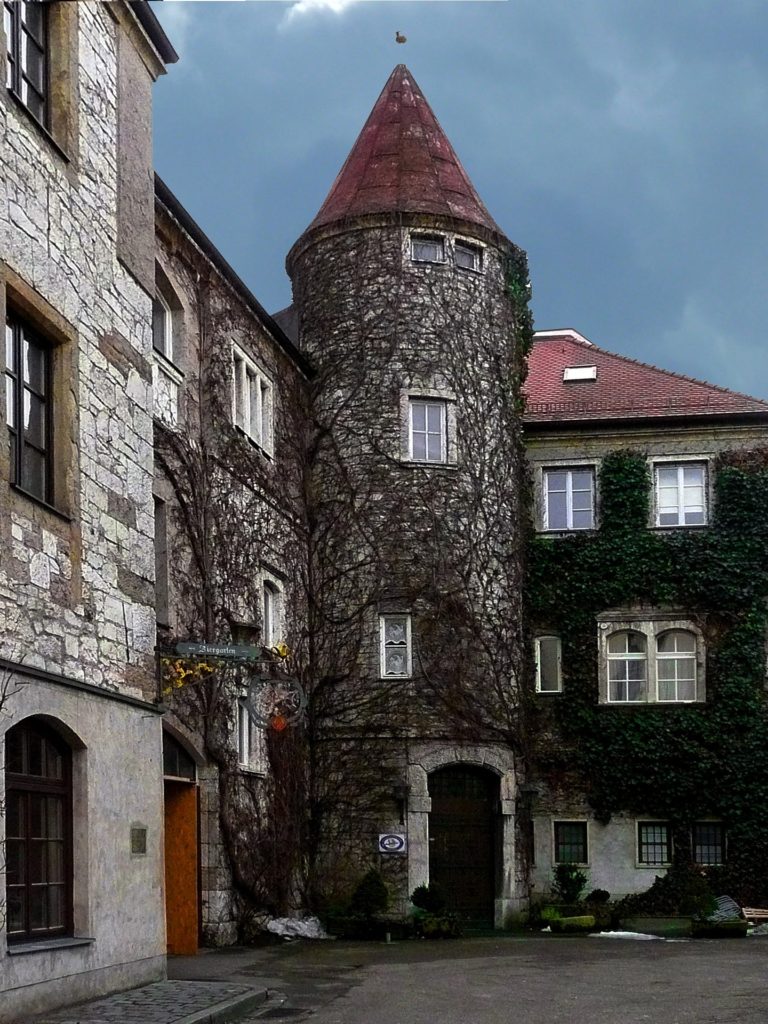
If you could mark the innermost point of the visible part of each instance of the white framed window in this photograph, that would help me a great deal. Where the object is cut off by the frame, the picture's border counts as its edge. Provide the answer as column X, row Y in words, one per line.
column 468, row 257
column 427, row 249
column 680, row 493
column 427, row 435
column 162, row 326
column 395, row 646
column 271, row 613
column 655, row 660
column 251, row 753
column 549, row 674
column 654, row 844
column 570, row 842
column 569, row 498
column 252, row 400
column 676, row 666
column 627, row 667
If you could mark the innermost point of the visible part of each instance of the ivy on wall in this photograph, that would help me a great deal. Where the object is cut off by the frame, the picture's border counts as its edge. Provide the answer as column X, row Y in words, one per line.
column 680, row 763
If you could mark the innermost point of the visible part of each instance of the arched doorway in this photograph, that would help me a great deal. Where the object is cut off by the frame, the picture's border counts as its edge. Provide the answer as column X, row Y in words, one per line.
column 182, row 857
column 463, row 839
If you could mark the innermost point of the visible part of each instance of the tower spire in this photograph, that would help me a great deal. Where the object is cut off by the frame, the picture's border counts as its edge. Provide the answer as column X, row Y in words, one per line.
column 402, row 162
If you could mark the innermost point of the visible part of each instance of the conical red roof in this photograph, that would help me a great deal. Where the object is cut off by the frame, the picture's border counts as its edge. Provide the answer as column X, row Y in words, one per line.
column 402, row 162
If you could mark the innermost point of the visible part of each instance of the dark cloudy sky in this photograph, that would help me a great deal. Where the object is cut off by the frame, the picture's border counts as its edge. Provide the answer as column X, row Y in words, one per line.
column 622, row 143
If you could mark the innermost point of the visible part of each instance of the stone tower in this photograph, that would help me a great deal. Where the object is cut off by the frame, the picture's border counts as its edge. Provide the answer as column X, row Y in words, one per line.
column 411, row 303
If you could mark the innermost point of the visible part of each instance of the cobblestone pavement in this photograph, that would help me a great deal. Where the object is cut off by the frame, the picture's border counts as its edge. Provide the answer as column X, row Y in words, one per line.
column 165, row 1002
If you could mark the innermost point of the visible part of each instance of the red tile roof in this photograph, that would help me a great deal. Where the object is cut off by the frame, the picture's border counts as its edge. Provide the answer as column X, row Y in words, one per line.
column 402, row 162
column 624, row 388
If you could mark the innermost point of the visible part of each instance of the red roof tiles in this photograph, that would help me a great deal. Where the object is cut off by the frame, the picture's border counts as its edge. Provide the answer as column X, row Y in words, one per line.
column 402, row 162
column 623, row 388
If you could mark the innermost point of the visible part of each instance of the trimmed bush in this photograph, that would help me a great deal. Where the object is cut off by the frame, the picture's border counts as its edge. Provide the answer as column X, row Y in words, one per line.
column 371, row 896
column 573, row 925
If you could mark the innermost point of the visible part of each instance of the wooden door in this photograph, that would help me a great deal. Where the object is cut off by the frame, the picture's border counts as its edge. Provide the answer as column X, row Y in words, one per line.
column 463, row 839
column 181, row 875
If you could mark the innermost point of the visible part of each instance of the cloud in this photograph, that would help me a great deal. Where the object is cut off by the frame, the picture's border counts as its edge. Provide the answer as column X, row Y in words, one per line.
column 301, row 7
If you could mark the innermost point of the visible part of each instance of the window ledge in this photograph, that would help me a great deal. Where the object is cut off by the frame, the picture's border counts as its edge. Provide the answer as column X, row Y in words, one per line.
column 42, row 503
column 46, row 945
column 426, row 464
column 245, row 769
column 588, row 531
column 254, row 443
column 40, row 127
column 167, row 366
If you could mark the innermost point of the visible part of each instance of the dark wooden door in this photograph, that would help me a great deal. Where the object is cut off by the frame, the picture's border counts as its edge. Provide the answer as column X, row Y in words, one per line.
column 462, row 839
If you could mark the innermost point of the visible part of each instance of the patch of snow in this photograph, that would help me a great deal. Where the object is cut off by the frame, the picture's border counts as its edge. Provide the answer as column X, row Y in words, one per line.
column 623, row 935
column 295, row 928
column 547, row 929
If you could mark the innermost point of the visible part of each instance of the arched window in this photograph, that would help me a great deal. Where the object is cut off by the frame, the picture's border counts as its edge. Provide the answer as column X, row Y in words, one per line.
column 271, row 613
column 676, row 665
column 38, row 782
column 627, row 667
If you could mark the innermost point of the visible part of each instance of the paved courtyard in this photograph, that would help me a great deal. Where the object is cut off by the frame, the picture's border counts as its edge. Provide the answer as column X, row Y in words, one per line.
column 505, row 980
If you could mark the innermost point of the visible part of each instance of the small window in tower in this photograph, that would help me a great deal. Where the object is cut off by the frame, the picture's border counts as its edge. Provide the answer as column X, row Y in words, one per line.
column 427, row 249
column 468, row 257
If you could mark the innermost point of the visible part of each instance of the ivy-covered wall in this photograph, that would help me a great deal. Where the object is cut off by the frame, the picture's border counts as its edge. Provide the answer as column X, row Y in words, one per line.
column 680, row 763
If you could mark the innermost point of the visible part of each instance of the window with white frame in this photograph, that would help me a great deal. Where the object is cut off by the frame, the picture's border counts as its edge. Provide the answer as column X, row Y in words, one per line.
column 570, row 842
column 680, row 493
column 427, row 428
column 250, row 739
column 654, row 843
column 651, row 661
column 162, row 326
column 569, row 498
column 468, row 257
column 427, row 249
column 395, row 646
column 252, row 400
column 549, row 676
column 627, row 667
column 271, row 613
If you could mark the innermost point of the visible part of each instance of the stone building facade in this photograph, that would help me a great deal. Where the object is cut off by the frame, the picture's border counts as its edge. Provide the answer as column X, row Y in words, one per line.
column 80, row 728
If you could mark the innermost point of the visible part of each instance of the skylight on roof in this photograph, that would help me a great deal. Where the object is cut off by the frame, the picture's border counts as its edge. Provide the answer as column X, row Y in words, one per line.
column 580, row 373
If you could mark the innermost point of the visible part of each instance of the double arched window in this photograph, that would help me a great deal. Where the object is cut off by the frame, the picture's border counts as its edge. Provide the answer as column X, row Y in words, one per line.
column 38, row 784
column 651, row 662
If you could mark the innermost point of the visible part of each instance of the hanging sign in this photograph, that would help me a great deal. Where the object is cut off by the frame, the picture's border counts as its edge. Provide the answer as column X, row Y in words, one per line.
column 233, row 652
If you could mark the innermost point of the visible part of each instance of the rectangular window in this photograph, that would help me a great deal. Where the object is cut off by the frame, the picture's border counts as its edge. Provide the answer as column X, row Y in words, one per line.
column 252, row 400
column 25, row 24
column 395, row 646
column 468, row 257
column 549, row 677
column 427, row 430
column 680, row 493
column 571, row 842
column 569, row 498
column 427, row 249
column 708, row 843
column 654, row 846
column 28, row 363
column 271, row 612
column 243, row 734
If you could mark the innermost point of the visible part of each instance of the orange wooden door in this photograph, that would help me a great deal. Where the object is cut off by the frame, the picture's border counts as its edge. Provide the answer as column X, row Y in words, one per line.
column 181, row 853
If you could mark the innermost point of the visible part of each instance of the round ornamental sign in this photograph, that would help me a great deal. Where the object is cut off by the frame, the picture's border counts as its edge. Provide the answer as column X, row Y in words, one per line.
column 392, row 842
column 275, row 703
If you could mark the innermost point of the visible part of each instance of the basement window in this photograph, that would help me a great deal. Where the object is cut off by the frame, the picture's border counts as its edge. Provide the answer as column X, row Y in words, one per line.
column 427, row 249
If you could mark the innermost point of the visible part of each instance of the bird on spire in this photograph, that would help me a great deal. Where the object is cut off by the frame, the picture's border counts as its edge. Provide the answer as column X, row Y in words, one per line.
column 400, row 38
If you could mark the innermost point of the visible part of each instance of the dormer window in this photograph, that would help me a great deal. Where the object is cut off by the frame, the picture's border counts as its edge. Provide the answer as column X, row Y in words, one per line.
column 571, row 373
column 427, row 249
column 468, row 257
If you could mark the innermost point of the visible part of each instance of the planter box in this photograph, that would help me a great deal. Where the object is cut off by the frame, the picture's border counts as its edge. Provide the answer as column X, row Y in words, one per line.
column 573, row 925
column 736, row 929
column 666, row 927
